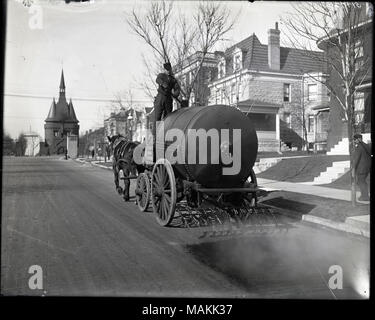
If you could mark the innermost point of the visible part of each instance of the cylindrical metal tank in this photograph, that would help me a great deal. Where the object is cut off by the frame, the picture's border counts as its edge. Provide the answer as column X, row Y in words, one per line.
column 242, row 145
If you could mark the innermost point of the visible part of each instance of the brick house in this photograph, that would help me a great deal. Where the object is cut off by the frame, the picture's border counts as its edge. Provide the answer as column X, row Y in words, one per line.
column 337, row 140
column 273, row 86
column 184, row 73
column 124, row 122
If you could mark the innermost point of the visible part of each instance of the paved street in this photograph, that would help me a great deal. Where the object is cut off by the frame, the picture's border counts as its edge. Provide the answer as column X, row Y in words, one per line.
column 67, row 218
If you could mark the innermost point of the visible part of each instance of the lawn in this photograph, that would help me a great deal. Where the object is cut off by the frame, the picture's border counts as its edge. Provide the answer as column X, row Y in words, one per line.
column 336, row 210
column 300, row 169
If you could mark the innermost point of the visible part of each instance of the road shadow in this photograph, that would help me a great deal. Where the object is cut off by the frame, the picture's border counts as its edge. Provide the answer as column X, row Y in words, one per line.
column 270, row 266
column 299, row 208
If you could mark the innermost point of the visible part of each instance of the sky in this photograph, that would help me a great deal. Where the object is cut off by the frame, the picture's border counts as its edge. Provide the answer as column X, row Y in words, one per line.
column 99, row 53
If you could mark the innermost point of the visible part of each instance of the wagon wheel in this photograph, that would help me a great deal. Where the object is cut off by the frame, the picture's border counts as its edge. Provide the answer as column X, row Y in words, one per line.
column 163, row 192
column 142, row 192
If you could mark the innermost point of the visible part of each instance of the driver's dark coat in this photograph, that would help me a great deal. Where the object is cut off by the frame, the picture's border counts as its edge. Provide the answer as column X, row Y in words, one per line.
column 168, row 88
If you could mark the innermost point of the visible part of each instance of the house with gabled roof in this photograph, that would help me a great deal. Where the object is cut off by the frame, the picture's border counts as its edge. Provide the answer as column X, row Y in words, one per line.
column 276, row 87
column 127, row 122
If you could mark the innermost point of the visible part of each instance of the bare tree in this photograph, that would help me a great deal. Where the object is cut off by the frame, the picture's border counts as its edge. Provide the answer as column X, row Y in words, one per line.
column 176, row 38
column 154, row 27
column 337, row 28
column 122, row 100
column 21, row 144
column 8, row 145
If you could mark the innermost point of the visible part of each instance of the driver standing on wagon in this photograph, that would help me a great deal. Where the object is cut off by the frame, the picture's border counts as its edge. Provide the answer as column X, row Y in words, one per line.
column 168, row 88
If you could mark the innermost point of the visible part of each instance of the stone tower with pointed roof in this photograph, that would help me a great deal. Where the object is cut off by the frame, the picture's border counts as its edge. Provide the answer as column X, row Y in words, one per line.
column 61, row 122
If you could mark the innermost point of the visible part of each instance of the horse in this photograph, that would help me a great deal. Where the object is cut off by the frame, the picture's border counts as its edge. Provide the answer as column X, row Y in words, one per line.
column 122, row 150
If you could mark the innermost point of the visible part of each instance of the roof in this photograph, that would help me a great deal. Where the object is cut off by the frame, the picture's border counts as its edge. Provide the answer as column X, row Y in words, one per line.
column 292, row 61
column 257, row 106
column 258, row 103
column 320, row 106
column 62, row 81
column 62, row 110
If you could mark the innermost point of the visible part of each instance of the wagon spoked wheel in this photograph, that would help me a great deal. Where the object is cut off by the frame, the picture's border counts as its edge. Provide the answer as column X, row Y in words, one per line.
column 142, row 192
column 163, row 192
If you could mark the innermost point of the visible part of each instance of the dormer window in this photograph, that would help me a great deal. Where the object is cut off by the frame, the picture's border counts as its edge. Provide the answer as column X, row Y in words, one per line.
column 237, row 60
column 221, row 68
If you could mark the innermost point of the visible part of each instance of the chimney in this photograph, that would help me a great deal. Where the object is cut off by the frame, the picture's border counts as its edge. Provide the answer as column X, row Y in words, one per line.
column 274, row 48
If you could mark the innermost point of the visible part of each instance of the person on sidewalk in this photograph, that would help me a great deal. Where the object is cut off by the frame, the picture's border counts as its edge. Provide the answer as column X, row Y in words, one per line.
column 361, row 165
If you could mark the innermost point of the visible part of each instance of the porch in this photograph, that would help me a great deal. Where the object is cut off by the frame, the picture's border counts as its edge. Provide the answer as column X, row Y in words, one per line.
column 317, row 128
column 266, row 120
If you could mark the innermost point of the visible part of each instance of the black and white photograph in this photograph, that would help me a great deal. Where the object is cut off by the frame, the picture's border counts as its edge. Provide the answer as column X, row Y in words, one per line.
column 187, row 149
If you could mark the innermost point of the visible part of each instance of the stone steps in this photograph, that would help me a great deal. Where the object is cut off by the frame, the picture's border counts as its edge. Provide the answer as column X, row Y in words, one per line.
column 270, row 145
column 342, row 147
column 284, row 147
column 332, row 173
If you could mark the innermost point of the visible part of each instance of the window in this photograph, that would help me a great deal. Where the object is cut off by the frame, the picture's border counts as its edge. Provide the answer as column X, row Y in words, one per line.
column 310, row 124
column 263, row 122
column 312, row 92
column 239, row 90
column 286, row 92
column 209, row 75
column 188, row 79
column 287, row 119
column 56, row 133
column 359, row 107
column 233, row 93
column 217, row 98
column 221, row 67
column 358, row 55
column 192, row 98
column 223, row 96
column 237, row 59
column 237, row 65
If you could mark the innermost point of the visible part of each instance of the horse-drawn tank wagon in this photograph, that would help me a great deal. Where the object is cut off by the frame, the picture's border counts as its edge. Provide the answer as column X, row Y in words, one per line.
column 204, row 156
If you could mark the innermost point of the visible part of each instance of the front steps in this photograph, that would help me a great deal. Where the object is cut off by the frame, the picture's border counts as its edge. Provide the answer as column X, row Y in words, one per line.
column 268, row 145
column 342, row 147
column 332, row 173
column 284, row 147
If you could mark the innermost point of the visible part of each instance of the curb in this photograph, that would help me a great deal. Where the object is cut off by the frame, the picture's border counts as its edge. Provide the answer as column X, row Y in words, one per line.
column 95, row 163
column 341, row 226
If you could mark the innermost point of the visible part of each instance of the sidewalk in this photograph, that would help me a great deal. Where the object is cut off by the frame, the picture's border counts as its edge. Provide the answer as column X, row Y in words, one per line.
column 331, row 193
column 359, row 225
